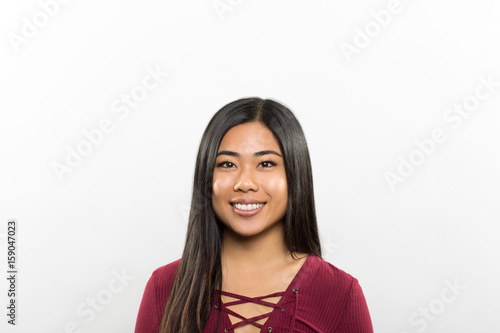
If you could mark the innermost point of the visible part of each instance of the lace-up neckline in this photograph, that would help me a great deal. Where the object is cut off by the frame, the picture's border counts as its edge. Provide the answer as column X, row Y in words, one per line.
column 245, row 299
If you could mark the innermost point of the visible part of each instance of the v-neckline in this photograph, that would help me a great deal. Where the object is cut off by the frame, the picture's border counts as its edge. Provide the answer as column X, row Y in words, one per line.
column 290, row 287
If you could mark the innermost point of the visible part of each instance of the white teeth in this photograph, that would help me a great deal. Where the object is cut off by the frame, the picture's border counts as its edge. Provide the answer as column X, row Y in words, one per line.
column 247, row 207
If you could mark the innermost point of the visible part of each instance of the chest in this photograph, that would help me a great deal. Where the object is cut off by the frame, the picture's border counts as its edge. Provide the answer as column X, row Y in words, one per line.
column 241, row 314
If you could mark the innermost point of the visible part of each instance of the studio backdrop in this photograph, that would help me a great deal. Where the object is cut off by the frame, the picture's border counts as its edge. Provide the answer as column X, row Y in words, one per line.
column 102, row 109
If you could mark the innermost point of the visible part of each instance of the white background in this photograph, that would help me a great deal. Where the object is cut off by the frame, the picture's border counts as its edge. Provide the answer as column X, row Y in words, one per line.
column 124, row 207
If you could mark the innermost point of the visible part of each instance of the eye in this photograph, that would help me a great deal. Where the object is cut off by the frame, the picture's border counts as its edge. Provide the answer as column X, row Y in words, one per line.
column 270, row 162
column 224, row 163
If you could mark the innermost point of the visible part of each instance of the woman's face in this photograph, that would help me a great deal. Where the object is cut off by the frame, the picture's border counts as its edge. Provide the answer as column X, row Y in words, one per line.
column 249, row 169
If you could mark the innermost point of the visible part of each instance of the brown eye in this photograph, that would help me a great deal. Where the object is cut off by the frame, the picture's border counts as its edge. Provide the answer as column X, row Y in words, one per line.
column 224, row 164
column 268, row 162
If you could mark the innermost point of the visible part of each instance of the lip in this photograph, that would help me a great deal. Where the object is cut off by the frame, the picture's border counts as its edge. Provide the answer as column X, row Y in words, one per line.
column 247, row 213
column 247, row 201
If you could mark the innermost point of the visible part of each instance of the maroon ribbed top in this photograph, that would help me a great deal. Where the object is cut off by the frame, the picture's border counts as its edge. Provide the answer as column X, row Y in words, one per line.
column 320, row 299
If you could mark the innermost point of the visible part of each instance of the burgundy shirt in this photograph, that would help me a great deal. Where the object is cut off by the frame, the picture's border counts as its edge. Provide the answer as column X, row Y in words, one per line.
column 320, row 299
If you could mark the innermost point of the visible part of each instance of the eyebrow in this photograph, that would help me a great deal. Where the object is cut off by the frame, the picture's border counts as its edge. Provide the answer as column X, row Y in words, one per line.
column 257, row 154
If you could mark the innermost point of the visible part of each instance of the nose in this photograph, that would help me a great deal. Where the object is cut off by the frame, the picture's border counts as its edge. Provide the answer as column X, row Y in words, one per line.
column 246, row 181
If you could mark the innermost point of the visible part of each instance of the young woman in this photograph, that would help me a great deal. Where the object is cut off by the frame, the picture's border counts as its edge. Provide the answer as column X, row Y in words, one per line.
column 252, row 258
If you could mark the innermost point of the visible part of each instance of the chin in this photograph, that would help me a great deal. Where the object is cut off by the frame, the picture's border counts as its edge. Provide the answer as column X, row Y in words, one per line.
column 246, row 232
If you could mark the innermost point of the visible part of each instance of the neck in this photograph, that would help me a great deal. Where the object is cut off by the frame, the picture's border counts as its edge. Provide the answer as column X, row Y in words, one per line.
column 254, row 253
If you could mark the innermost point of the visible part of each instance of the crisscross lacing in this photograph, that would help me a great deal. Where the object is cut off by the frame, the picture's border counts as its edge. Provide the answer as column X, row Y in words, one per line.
column 245, row 299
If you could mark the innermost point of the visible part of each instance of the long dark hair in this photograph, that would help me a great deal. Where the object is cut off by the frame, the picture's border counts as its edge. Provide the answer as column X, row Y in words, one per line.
column 199, row 272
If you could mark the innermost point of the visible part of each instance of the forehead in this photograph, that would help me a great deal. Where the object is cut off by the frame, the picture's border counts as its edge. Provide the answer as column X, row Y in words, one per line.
column 249, row 136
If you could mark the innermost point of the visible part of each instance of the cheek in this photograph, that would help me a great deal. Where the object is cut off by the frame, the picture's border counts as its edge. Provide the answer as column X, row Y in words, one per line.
column 216, row 188
column 220, row 188
column 216, row 192
column 278, row 188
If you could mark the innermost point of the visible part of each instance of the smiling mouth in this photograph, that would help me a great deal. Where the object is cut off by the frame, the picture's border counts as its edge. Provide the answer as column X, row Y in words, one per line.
column 247, row 210
column 248, row 207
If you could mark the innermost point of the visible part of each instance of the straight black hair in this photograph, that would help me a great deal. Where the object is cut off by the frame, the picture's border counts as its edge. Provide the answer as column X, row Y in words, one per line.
column 199, row 273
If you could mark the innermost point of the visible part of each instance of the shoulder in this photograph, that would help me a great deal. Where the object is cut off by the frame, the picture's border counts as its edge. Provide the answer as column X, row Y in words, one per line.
column 168, row 267
column 155, row 297
column 331, row 277
column 165, row 274
column 337, row 298
column 161, row 281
